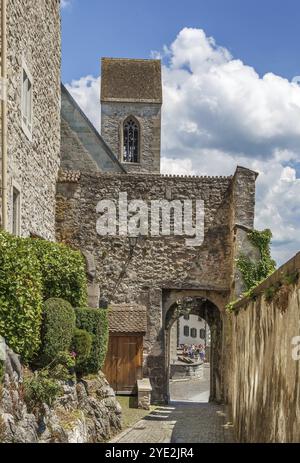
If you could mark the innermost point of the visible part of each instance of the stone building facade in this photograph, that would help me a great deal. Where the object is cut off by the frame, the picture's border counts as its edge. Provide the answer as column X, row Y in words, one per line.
column 159, row 275
column 156, row 272
column 33, row 112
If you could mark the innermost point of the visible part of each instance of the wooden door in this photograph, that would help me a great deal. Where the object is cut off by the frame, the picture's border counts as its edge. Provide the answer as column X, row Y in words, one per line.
column 123, row 364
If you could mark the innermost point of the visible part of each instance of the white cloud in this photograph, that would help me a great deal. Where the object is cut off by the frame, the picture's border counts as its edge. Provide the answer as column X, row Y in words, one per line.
column 86, row 91
column 65, row 3
column 218, row 112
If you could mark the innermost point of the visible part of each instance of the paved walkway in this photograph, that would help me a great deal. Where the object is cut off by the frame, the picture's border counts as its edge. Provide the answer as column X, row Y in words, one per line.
column 181, row 423
column 193, row 390
column 188, row 419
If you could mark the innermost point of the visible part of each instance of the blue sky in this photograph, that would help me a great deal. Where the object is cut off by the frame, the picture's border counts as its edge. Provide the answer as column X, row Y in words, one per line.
column 229, row 98
column 264, row 33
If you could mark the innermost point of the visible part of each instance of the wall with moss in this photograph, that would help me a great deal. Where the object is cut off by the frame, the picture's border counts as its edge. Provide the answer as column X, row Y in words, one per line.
column 264, row 383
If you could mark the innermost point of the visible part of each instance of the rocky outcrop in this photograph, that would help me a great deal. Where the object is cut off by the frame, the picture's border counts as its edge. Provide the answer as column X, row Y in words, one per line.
column 86, row 412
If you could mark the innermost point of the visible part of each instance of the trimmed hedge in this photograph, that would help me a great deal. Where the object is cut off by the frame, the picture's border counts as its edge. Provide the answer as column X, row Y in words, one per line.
column 58, row 328
column 81, row 345
column 32, row 271
column 95, row 322
column 63, row 272
column 20, row 295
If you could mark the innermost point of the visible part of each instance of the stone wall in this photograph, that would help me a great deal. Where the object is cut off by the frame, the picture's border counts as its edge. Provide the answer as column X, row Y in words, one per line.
column 148, row 115
column 86, row 412
column 155, row 264
column 265, row 381
column 163, row 260
column 1, row 101
column 33, row 34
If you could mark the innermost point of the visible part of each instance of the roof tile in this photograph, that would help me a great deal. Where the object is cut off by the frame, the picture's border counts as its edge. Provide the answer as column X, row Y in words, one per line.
column 127, row 318
column 131, row 80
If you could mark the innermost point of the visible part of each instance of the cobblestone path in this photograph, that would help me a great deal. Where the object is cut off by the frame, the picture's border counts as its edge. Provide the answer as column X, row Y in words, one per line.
column 181, row 423
column 188, row 419
column 193, row 390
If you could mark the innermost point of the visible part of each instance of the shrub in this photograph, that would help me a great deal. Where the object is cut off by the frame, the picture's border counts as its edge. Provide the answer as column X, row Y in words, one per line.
column 81, row 345
column 32, row 271
column 95, row 322
column 63, row 272
column 58, row 327
column 62, row 368
column 41, row 388
column 20, row 296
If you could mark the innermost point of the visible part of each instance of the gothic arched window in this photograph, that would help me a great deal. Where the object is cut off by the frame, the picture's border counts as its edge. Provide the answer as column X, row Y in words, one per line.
column 131, row 134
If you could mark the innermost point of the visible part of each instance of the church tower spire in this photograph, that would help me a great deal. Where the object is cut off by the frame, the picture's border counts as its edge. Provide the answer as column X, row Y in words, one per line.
column 131, row 101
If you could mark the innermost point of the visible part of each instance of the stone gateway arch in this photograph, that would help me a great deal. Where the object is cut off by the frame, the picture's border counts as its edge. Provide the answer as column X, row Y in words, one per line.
column 145, row 277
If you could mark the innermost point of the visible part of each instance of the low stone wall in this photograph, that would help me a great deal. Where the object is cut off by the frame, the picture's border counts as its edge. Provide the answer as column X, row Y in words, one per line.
column 265, row 381
column 87, row 412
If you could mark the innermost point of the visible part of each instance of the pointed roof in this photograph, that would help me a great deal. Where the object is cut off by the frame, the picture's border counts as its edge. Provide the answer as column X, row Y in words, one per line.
column 87, row 134
column 131, row 80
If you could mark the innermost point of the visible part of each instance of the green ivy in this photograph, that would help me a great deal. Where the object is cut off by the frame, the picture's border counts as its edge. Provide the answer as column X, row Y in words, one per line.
column 230, row 306
column 254, row 273
column 289, row 279
column 250, row 294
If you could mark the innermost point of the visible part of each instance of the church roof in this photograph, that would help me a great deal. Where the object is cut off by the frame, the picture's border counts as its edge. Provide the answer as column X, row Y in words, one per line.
column 95, row 151
column 131, row 80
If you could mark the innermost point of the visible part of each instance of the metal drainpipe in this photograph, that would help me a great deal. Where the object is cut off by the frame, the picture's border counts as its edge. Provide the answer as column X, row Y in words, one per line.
column 4, row 113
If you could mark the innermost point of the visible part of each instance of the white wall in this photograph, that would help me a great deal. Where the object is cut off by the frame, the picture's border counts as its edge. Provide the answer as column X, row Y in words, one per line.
column 193, row 322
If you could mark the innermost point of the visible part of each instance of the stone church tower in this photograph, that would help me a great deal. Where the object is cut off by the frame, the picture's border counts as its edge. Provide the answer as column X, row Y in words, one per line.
column 131, row 101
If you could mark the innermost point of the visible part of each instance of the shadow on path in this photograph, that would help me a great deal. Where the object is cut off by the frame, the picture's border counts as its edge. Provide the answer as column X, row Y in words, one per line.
column 181, row 423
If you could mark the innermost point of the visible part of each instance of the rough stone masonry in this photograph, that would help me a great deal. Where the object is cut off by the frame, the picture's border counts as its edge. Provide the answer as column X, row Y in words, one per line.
column 158, row 269
column 34, row 46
